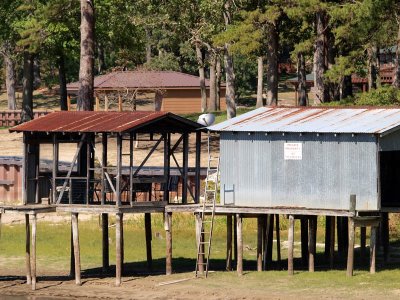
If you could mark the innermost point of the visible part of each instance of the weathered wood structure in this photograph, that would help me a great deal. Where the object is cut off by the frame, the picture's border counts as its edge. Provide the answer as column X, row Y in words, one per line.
column 92, row 185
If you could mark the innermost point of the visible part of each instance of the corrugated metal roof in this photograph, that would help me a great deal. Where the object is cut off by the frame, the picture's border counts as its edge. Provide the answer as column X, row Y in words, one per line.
column 318, row 120
column 92, row 121
column 143, row 80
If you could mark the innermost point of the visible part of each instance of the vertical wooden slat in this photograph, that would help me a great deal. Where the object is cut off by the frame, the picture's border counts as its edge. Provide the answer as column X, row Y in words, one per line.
column 278, row 241
column 33, row 252
column 229, row 242
column 118, row 249
column 185, row 167
column 259, row 243
column 69, row 102
column 350, row 251
column 55, row 167
column 28, row 250
column 105, row 103
column 168, row 240
column 312, row 232
column 131, row 168
column 197, row 167
column 119, row 103
column 332, row 244
column 167, row 167
column 104, row 154
column 235, row 242
column 75, row 236
column 290, row 244
column 119, row 170
column 239, row 225
column 97, row 107
column 88, row 172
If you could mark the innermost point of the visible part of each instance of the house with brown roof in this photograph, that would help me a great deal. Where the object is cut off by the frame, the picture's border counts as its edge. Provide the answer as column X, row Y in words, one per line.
column 171, row 91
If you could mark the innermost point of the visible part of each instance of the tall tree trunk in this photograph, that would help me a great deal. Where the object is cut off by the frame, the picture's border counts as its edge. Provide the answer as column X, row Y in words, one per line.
column 101, row 60
column 203, row 90
column 347, row 87
column 272, row 65
column 148, row 45
column 37, row 80
column 260, row 75
column 396, row 79
column 63, row 82
column 213, row 82
column 230, row 93
column 27, row 88
column 372, row 67
column 10, row 78
column 301, row 75
column 319, row 58
column 86, row 80
column 218, row 82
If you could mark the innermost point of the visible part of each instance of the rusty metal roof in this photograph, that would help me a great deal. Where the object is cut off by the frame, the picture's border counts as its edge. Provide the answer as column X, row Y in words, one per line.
column 319, row 120
column 142, row 80
column 92, row 121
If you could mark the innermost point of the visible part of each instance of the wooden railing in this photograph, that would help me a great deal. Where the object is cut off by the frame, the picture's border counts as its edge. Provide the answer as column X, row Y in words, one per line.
column 9, row 118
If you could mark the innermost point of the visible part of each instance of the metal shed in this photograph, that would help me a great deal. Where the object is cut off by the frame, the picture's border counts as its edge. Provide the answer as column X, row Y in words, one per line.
column 311, row 158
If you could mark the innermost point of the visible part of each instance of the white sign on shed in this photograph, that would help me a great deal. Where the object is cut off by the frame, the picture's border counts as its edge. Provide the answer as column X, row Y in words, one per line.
column 293, row 151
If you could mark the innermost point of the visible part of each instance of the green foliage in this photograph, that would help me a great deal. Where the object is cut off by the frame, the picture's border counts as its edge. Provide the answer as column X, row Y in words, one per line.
column 163, row 62
column 384, row 96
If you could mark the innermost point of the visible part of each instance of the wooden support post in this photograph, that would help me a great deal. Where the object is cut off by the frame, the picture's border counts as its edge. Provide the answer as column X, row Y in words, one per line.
column 72, row 255
column 229, row 242
column 147, row 222
column 131, row 168
column 385, row 235
column 168, row 239
column 185, row 167
column 119, row 170
column 363, row 240
column 304, row 240
column 328, row 220
column 290, row 244
column 97, row 107
column 104, row 153
column 28, row 250
column 105, row 243
column 268, row 241
column 198, row 239
column 167, row 146
column 235, row 243
column 88, row 171
column 55, row 168
column 312, row 234
column 372, row 248
column 197, row 167
column 259, row 243
column 350, row 251
column 332, row 244
column 118, row 249
column 69, row 102
column 105, row 103
column 239, row 225
column 278, row 241
column 119, row 103
column 33, row 253
column 75, row 236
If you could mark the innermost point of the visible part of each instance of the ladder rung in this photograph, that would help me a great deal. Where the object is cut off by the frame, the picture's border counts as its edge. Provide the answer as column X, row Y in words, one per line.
column 204, row 242
column 207, row 221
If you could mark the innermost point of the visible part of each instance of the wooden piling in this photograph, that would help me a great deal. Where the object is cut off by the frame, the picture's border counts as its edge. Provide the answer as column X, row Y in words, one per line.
column 239, row 265
column 68, row 102
column 75, row 236
column 278, row 242
column 33, row 252
column 312, row 233
column 119, row 103
column 350, row 251
column 332, row 244
column 97, row 106
column 105, row 103
column 118, row 248
column 28, row 250
column 304, row 240
column 259, row 243
column 229, row 242
column 201, row 247
column 105, row 243
column 147, row 225
column 72, row 256
column 372, row 256
column 168, row 239
column 290, row 244
column 235, row 248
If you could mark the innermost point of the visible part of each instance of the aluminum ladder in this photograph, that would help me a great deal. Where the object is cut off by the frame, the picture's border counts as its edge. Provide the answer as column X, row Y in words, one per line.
column 206, row 218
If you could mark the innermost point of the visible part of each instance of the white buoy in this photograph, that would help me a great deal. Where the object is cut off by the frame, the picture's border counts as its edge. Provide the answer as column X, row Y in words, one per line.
column 206, row 119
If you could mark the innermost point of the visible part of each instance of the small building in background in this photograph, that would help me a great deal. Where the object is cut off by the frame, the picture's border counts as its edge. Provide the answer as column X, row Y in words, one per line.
column 161, row 90
column 311, row 158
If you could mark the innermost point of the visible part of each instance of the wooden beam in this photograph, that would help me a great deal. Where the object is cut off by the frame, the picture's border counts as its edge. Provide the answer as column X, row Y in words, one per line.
column 167, row 165
column 72, row 254
column 119, row 103
column 235, row 240
column 119, row 171
column 239, row 226
column 278, row 241
column 372, row 248
column 148, row 233
column 75, row 236
column 118, row 249
column 229, row 242
column 69, row 102
column 197, row 167
column 55, row 167
column 105, row 243
column 131, row 169
column 290, row 244
column 33, row 253
column 185, row 165
column 312, row 234
column 28, row 250
column 350, row 251
column 104, row 154
column 147, row 156
column 168, row 239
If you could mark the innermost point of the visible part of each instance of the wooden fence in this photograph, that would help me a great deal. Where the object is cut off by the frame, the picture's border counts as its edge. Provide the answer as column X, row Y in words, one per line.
column 10, row 118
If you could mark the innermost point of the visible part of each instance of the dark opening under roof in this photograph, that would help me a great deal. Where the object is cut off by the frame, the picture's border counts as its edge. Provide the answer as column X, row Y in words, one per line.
column 113, row 122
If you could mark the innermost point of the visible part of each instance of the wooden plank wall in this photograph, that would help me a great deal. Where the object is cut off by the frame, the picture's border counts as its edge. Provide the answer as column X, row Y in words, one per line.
column 9, row 118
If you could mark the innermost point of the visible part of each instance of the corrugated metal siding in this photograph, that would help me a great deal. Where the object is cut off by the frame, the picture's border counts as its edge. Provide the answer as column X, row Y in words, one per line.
column 254, row 172
column 390, row 142
column 320, row 119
